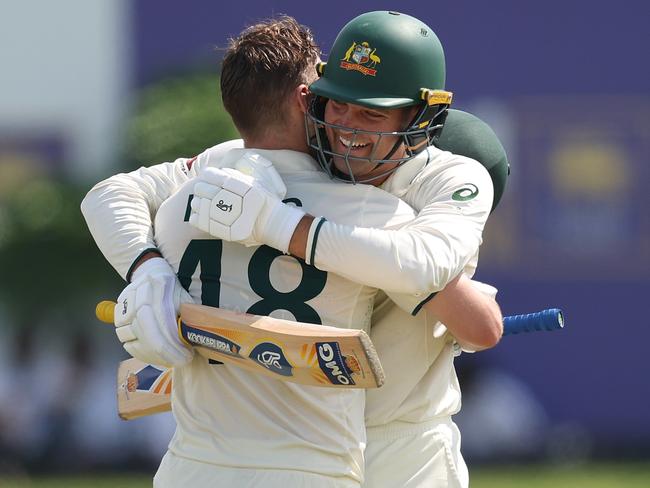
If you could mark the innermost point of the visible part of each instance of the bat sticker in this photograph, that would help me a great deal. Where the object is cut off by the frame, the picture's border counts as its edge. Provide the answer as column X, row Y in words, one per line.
column 148, row 379
column 198, row 337
column 272, row 358
column 333, row 363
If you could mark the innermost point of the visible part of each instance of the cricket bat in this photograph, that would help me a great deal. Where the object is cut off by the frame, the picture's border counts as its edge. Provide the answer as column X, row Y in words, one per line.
column 297, row 352
column 143, row 389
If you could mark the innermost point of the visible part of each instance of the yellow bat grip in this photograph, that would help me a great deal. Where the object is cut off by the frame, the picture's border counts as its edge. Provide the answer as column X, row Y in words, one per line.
column 105, row 311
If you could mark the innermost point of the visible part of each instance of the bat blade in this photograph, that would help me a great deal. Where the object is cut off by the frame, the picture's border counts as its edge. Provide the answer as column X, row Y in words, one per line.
column 142, row 389
column 147, row 402
column 275, row 347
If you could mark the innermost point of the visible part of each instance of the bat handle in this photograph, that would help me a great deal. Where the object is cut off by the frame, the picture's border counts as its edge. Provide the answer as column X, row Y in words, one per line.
column 105, row 311
column 550, row 319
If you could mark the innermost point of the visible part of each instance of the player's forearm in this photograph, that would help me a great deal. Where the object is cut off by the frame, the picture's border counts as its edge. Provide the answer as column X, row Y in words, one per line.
column 416, row 261
column 298, row 243
column 472, row 317
column 118, row 212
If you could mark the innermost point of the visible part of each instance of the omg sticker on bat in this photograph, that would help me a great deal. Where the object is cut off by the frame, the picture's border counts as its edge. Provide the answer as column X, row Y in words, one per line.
column 272, row 358
column 333, row 363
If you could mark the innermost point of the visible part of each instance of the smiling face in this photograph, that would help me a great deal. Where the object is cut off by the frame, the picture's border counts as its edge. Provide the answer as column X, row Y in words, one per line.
column 371, row 147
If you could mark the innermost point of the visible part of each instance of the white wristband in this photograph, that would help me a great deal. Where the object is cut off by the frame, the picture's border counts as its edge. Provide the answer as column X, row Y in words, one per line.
column 281, row 225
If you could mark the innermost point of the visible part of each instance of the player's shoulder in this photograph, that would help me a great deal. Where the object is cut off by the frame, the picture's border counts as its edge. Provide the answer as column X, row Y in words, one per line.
column 449, row 176
column 444, row 165
column 212, row 155
column 465, row 134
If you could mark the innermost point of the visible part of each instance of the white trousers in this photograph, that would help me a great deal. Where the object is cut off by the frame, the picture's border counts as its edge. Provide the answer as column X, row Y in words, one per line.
column 177, row 472
column 407, row 455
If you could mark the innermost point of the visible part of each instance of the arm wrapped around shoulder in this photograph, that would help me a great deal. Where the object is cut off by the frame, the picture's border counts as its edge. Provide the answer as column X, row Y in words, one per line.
column 470, row 313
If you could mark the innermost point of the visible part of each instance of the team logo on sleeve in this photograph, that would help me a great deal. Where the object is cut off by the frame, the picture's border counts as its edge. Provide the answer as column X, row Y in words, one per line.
column 362, row 58
column 466, row 192
column 272, row 358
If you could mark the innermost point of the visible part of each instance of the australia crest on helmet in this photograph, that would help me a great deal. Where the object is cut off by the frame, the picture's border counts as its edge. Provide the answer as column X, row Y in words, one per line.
column 361, row 57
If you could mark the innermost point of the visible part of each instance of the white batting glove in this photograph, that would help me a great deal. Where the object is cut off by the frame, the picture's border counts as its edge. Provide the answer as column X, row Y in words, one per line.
column 245, row 208
column 145, row 315
column 263, row 172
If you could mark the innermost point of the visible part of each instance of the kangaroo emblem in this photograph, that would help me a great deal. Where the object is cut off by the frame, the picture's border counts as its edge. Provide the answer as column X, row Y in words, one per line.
column 349, row 52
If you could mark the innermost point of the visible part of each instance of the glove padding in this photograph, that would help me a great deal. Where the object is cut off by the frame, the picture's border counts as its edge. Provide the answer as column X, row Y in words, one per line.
column 244, row 204
column 145, row 315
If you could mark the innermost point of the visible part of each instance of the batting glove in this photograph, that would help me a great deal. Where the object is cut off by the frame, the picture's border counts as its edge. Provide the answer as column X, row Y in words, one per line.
column 145, row 315
column 245, row 208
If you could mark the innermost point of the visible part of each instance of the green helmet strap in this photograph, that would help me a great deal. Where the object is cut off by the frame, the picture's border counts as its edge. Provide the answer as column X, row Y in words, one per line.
column 425, row 125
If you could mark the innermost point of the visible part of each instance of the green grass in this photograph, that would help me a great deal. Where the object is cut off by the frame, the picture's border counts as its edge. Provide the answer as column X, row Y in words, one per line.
column 632, row 475
column 99, row 481
column 624, row 475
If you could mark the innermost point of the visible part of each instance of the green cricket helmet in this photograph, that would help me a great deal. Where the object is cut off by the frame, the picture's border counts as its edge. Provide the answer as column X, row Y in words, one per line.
column 381, row 60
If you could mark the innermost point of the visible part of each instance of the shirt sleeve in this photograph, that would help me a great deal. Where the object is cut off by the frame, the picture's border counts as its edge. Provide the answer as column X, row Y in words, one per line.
column 119, row 211
column 453, row 197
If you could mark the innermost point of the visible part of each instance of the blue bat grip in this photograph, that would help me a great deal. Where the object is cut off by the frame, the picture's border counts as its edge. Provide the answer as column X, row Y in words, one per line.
column 550, row 319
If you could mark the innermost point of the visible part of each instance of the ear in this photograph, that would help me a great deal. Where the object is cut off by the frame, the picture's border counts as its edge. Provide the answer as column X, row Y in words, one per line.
column 301, row 94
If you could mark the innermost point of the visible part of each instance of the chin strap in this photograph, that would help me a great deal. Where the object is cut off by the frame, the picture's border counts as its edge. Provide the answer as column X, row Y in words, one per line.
column 428, row 122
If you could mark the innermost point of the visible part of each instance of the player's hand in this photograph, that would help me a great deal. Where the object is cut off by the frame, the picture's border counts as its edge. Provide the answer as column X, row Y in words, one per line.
column 246, row 208
column 145, row 315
